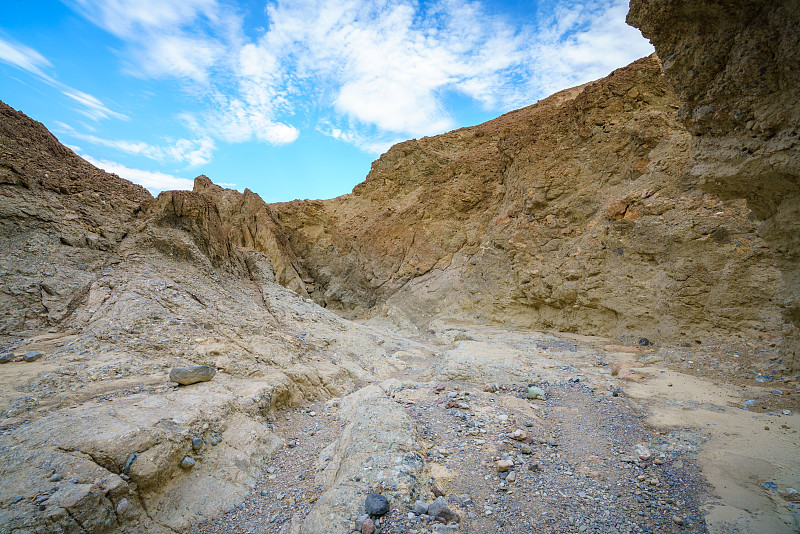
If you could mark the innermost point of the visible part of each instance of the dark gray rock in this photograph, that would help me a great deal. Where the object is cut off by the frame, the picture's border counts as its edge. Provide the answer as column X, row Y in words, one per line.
column 440, row 508
column 192, row 375
column 32, row 356
column 420, row 507
column 5, row 358
column 197, row 443
column 128, row 463
column 187, row 462
column 376, row 504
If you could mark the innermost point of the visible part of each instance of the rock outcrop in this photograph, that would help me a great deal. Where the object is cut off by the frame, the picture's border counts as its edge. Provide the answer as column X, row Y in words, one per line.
column 578, row 214
column 113, row 289
column 737, row 78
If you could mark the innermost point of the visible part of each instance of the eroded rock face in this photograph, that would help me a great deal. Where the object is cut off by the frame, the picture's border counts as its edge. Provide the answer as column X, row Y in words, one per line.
column 114, row 288
column 737, row 79
column 577, row 213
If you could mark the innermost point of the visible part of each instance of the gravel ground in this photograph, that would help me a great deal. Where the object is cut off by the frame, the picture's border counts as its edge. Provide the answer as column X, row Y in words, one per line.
column 287, row 487
column 575, row 465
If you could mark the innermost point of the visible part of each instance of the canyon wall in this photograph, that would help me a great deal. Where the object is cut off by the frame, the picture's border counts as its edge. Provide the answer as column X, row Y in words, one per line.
column 735, row 66
column 579, row 213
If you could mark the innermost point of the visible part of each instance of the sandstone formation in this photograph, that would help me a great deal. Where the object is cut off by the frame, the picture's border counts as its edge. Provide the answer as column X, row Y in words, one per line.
column 577, row 214
column 737, row 79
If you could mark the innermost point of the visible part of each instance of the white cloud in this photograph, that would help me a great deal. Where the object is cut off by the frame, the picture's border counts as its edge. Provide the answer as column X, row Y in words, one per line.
column 23, row 57
column 193, row 152
column 28, row 59
column 155, row 182
column 373, row 71
column 91, row 106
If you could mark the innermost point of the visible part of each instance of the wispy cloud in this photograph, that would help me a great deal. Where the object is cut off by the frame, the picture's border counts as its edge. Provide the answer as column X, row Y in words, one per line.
column 23, row 57
column 28, row 59
column 365, row 72
column 191, row 152
column 155, row 182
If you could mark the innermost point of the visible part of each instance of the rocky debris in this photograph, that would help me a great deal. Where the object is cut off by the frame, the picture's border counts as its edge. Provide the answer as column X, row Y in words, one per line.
column 624, row 370
column 192, row 375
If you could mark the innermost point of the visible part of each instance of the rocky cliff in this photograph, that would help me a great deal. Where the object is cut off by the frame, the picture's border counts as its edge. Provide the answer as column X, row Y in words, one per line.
column 579, row 213
column 735, row 65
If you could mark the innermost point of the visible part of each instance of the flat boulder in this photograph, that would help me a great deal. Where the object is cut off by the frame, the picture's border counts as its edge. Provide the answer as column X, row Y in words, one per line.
column 192, row 374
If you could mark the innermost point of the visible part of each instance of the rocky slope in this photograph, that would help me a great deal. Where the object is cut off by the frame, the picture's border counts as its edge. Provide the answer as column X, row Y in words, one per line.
column 113, row 288
column 578, row 213
column 737, row 80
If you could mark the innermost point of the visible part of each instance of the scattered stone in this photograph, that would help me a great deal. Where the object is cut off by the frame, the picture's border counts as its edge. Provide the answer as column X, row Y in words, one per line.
column 750, row 402
column 368, row 527
column 511, row 477
column 377, row 488
column 197, row 443
column 535, row 392
column 420, row 507
column 56, row 477
column 5, row 358
column 192, row 375
column 641, row 450
column 440, row 509
column 187, row 462
column 504, row 465
column 624, row 371
column 644, row 342
column 678, row 520
column 376, row 504
column 526, row 449
column 32, row 356
column 534, row 467
column 16, row 499
column 436, row 491
column 519, row 435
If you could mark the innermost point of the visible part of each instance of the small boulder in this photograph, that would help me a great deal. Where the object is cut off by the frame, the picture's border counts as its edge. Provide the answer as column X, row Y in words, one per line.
column 420, row 507
column 504, row 465
column 376, row 504
column 191, row 375
column 440, row 509
column 5, row 358
column 187, row 462
column 368, row 527
column 32, row 356
column 519, row 435
column 535, row 392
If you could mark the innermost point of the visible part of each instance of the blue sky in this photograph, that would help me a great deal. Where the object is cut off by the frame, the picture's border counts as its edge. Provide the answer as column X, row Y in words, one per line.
column 290, row 98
